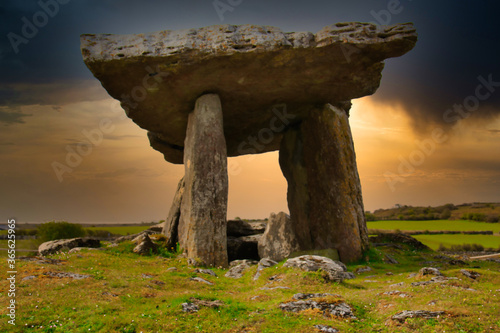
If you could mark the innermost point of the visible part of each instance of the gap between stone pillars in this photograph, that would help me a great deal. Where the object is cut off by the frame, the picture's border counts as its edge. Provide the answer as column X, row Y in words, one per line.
column 202, row 224
column 324, row 192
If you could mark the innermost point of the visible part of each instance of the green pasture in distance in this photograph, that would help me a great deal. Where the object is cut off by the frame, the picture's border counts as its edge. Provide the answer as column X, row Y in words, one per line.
column 450, row 225
column 121, row 230
column 433, row 241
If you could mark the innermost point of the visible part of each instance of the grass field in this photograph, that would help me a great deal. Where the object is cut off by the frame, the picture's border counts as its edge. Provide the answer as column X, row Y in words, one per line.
column 455, row 225
column 433, row 241
column 130, row 293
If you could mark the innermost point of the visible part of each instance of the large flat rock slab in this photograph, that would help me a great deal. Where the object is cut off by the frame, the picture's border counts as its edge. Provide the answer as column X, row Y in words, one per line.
column 266, row 78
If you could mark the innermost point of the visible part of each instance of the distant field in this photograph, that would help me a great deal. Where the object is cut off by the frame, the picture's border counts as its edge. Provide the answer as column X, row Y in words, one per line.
column 127, row 230
column 433, row 241
column 455, row 225
column 25, row 244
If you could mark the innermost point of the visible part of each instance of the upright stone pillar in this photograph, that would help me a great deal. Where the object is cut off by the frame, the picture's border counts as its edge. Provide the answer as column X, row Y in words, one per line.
column 324, row 192
column 202, row 224
column 171, row 224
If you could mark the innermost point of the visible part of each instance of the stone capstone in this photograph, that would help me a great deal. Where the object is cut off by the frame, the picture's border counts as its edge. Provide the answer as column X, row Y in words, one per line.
column 324, row 191
column 254, row 69
column 279, row 240
column 239, row 228
column 202, row 224
column 54, row 246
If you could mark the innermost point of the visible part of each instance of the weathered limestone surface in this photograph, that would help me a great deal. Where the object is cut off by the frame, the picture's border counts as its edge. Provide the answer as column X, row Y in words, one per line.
column 324, row 192
column 279, row 240
column 171, row 224
column 202, row 225
column 158, row 76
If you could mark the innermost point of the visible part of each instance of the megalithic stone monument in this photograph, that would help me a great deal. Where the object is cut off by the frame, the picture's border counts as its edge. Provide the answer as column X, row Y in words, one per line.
column 259, row 89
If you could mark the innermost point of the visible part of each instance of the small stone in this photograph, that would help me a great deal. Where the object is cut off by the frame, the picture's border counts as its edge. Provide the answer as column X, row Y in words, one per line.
column 470, row 274
column 199, row 279
column 190, row 307
column 274, row 288
column 301, row 296
column 336, row 309
column 205, row 271
column 390, row 260
column 237, row 271
column 397, row 285
column 430, row 271
column 172, row 269
column 363, row 270
column 334, row 270
column 146, row 246
column 264, row 263
column 402, row 316
column 158, row 283
column 29, row 277
column 326, row 329
column 147, row 276
column 396, row 293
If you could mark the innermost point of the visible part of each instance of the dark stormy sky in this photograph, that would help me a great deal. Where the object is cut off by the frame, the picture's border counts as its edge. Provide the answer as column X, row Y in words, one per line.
column 448, row 85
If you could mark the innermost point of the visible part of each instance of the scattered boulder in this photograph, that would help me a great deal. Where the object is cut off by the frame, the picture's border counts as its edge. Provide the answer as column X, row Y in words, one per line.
column 470, row 274
column 363, row 270
column 403, row 315
column 133, row 236
column 239, row 228
column 264, row 263
column 205, row 271
column 396, row 293
column 199, row 279
column 279, row 240
column 399, row 238
column 78, row 249
column 146, row 246
column 214, row 304
column 239, row 268
column 301, row 296
column 335, row 307
column 429, row 271
column 390, row 260
column 54, row 246
column 326, row 329
column 190, row 307
column 67, row 275
column 244, row 247
column 335, row 270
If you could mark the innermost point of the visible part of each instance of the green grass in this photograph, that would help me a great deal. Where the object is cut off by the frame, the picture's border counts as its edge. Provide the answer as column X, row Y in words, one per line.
column 433, row 241
column 455, row 225
column 117, row 298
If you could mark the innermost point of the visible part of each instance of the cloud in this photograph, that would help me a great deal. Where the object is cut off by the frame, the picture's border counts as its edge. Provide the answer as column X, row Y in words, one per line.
column 9, row 118
column 56, row 94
